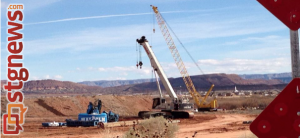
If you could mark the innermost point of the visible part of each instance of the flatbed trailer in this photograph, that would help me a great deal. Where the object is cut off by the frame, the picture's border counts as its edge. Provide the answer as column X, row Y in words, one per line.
column 77, row 123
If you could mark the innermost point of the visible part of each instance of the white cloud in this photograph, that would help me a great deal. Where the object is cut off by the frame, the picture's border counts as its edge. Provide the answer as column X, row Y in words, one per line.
column 117, row 72
column 34, row 78
column 91, row 68
column 188, row 31
column 266, row 41
column 117, row 78
column 229, row 66
column 223, row 28
column 125, row 70
column 124, row 74
column 124, row 15
column 92, row 38
column 267, row 47
column 47, row 77
column 101, row 69
column 245, row 66
column 170, row 70
column 57, row 77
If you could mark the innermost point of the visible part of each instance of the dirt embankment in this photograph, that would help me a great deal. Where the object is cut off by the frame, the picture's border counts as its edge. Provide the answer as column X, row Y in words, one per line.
column 73, row 105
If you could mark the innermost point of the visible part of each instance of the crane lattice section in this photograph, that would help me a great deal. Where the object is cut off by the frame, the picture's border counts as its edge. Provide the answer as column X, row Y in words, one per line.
column 172, row 47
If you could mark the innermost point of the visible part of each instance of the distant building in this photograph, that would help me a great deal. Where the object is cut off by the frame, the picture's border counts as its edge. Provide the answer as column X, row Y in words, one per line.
column 235, row 90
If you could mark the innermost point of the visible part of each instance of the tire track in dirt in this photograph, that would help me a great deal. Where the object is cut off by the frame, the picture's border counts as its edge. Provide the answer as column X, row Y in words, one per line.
column 220, row 125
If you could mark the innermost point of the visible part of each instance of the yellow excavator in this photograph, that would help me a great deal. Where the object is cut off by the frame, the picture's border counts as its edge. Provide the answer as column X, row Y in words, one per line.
column 199, row 101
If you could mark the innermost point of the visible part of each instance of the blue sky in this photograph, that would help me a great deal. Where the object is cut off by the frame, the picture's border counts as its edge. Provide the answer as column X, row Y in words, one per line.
column 79, row 40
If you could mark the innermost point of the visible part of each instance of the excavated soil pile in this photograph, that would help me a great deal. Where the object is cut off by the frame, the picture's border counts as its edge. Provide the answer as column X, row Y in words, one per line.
column 73, row 105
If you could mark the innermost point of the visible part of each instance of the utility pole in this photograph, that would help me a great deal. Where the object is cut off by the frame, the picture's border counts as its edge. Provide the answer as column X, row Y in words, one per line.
column 295, row 54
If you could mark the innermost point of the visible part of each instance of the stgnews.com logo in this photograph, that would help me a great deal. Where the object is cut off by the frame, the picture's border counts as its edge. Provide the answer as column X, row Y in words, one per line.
column 14, row 118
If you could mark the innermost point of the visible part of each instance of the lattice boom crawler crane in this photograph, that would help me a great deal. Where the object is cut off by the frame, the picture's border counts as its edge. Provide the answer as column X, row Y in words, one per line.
column 199, row 101
column 178, row 108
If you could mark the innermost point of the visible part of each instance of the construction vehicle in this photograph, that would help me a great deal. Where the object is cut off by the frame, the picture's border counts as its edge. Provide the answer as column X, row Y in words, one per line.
column 178, row 108
column 93, row 116
column 200, row 102
column 96, row 109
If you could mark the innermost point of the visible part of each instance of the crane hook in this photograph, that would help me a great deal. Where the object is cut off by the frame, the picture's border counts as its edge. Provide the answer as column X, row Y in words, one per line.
column 141, row 64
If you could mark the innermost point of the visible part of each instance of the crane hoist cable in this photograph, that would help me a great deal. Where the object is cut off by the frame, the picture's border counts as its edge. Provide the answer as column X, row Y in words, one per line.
column 153, row 21
column 183, row 46
column 140, row 63
column 139, row 57
column 152, row 75
column 140, row 53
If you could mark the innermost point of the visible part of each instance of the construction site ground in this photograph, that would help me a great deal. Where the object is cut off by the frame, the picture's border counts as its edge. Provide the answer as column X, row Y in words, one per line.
column 223, row 124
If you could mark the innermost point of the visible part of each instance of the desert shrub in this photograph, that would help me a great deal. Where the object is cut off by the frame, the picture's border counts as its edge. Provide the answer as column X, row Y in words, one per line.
column 244, row 102
column 228, row 106
column 250, row 102
column 262, row 105
column 153, row 127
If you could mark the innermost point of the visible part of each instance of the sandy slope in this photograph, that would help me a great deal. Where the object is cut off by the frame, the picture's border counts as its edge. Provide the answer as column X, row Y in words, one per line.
column 223, row 126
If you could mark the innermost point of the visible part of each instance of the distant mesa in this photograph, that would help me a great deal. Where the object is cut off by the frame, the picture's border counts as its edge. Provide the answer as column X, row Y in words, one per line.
column 55, row 86
column 202, row 83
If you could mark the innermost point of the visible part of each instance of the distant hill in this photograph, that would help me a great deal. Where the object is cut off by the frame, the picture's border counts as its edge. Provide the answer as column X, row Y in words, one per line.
column 259, row 78
column 284, row 77
column 113, row 83
column 201, row 82
column 56, row 86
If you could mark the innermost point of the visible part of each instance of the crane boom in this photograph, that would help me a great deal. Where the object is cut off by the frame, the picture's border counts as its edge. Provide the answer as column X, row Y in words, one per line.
column 180, row 65
column 177, row 108
column 157, row 68
column 186, row 77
